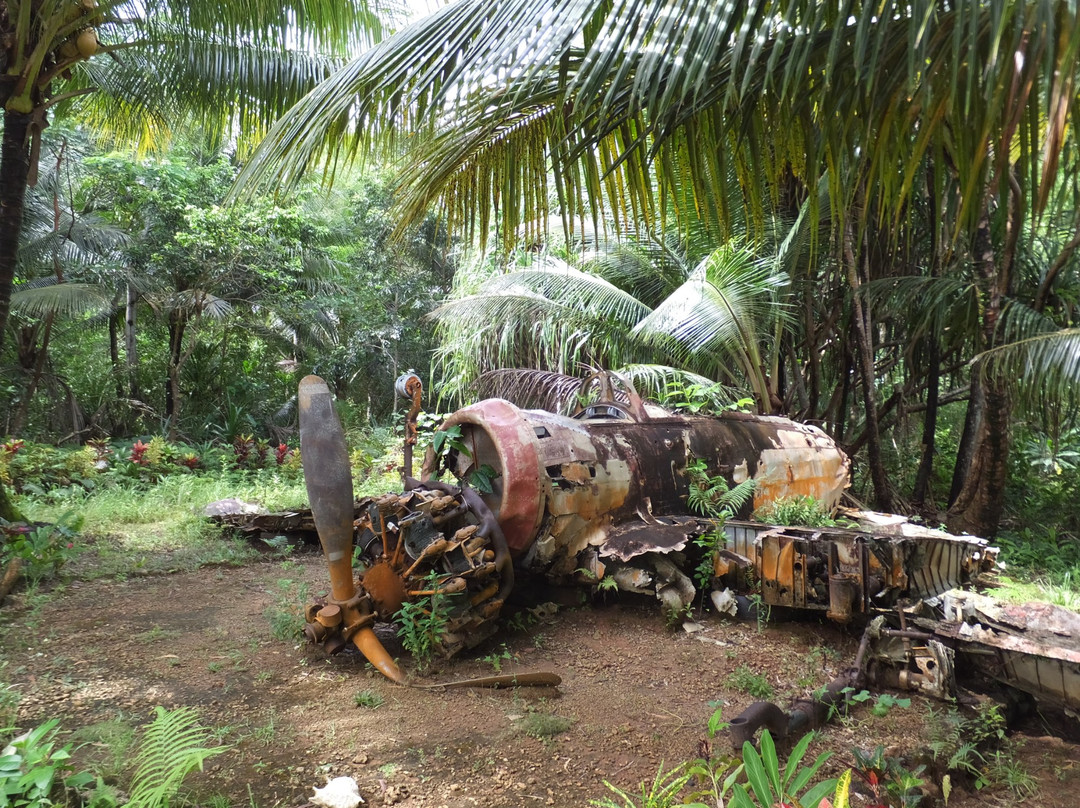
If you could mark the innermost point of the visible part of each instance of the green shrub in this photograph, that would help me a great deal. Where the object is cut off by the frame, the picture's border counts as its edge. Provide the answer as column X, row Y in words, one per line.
column 422, row 623
column 799, row 511
column 41, row 549
column 33, row 769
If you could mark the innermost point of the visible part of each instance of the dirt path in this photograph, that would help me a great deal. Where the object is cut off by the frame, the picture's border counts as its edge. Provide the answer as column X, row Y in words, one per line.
column 634, row 695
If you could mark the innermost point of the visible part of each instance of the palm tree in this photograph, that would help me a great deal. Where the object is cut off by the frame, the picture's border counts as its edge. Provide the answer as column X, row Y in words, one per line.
column 632, row 106
column 645, row 312
column 139, row 68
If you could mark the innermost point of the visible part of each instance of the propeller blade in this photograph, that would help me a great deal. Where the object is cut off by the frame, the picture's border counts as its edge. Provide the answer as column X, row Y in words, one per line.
column 329, row 481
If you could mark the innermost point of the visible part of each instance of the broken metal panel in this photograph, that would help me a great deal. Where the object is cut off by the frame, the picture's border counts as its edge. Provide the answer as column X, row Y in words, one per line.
column 1033, row 647
column 659, row 536
column 845, row 571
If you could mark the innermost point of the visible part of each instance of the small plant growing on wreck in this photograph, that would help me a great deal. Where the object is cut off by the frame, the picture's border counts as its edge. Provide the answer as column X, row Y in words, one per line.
column 802, row 511
column 422, row 623
column 711, row 496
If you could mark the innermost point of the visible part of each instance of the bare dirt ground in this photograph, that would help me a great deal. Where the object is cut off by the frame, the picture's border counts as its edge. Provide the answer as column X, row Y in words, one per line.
column 635, row 695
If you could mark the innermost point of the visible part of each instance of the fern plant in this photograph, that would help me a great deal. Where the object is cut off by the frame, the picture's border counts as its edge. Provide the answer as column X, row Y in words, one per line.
column 712, row 497
column 173, row 746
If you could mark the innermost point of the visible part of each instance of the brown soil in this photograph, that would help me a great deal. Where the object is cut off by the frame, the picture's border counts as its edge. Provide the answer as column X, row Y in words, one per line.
column 635, row 695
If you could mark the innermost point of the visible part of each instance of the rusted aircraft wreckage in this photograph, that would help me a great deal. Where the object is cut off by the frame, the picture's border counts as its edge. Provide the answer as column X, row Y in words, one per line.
column 602, row 494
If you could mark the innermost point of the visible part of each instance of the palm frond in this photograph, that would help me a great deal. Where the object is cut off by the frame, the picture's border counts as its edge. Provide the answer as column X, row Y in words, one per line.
column 718, row 314
column 529, row 389
column 665, row 382
column 946, row 306
column 1037, row 367
column 64, row 299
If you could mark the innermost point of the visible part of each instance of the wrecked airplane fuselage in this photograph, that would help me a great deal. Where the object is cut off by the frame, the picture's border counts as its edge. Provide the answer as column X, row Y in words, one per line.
column 612, row 484
column 601, row 499
column 601, row 496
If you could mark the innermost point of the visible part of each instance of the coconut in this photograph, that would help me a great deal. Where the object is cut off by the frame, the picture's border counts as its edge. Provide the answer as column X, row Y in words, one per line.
column 87, row 43
column 68, row 49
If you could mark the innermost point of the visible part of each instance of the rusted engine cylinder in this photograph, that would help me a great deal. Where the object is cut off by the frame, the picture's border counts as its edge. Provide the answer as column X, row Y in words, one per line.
column 564, row 481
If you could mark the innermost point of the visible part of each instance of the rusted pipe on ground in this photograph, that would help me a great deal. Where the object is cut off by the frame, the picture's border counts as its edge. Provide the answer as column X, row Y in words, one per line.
column 806, row 714
column 759, row 714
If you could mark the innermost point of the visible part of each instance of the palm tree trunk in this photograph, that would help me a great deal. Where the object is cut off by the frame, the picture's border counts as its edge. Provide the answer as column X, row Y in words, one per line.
column 883, row 499
column 965, row 452
column 926, row 462
column 978, row 506
column 14, row 171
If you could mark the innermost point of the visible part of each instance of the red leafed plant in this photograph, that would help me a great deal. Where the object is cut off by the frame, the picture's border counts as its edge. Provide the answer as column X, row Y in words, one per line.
column 138, row 453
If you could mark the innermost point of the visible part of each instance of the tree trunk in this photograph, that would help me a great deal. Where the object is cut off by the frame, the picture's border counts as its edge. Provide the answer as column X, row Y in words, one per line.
column 42, row 354
column 14, row 171
column 926, row 463
column 131, row 348
column 8, row 511
column 114, row 350
column 883, row 498
column 965, row 452
column 978, row 506
column 813, row 355
column 177, row 323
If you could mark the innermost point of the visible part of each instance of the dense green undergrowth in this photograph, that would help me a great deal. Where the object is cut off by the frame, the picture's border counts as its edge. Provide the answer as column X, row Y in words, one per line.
column 135, row 508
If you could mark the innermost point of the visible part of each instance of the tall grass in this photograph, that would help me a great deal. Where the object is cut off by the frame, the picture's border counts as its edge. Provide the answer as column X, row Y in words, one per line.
column 132, row 527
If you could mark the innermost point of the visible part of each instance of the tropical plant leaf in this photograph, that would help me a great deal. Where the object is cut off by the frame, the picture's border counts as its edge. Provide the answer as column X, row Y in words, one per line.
column 171, row 748
column 64, row 299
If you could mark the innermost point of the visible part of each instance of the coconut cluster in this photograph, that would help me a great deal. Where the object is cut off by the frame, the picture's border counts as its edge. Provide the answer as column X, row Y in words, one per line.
column 80, row 19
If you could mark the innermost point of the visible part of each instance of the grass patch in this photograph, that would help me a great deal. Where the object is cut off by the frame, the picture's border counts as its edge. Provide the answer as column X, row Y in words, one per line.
column 286, row 616
column 1061, row 590
column 369, row 699
column 105, row 747
column 141, row 529
column 545, row 725
column 753, row 684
